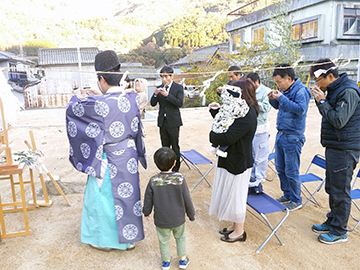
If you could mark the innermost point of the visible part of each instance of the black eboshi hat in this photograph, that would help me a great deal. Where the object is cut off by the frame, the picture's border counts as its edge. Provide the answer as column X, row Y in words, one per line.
column 106, row 60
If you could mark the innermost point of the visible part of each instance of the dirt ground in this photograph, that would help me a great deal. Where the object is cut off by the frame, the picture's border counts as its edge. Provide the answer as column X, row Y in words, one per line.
column 55, row 239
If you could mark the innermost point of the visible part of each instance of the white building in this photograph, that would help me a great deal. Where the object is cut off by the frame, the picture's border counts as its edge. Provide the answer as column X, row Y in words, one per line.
column 326, row 28
column 16, row 69
column 62, row 75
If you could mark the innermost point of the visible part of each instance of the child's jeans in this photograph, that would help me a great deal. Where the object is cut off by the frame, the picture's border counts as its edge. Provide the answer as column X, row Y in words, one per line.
column 164, row 238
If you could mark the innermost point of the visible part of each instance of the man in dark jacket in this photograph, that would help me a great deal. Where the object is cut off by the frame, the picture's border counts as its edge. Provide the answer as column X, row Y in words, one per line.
column 340, row 135
column 170, row 96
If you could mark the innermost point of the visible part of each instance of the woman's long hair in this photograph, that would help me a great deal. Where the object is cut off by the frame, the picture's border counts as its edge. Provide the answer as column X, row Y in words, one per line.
column 248, row 93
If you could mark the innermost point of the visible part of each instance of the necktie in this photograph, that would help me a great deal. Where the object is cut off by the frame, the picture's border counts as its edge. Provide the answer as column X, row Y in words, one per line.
column 167, row 88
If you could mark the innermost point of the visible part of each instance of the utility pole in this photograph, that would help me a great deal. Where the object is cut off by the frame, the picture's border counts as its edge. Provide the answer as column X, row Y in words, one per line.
column 79, row 55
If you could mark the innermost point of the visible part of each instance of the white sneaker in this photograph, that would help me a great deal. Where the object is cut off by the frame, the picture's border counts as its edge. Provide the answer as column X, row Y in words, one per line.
column 221, row 153
column 255, row 183
column 183, row 264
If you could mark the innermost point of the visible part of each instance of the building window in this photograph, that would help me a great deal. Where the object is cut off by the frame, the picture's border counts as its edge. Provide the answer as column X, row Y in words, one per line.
column 236, row 42
column 13, row 74
column 351, row 21
column 258, row 34
column 306, row 30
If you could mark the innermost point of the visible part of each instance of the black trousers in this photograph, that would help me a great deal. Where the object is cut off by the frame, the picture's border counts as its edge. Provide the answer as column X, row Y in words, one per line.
column 170, row 137
column 340, row 165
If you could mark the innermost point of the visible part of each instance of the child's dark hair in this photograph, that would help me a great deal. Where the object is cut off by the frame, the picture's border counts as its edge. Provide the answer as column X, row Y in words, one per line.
column 164, row 158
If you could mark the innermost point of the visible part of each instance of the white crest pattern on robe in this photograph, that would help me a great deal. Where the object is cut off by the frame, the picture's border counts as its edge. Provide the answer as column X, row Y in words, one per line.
column 110, row 125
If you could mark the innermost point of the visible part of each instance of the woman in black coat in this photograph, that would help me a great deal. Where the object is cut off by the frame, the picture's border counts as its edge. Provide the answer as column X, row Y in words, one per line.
column 232, row 174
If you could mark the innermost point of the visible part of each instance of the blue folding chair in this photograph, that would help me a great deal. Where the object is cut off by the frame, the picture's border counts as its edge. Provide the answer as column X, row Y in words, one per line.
column 263, row 204
column 271, row 165
column 318, row 160
column 195, row 158
column 355, row 195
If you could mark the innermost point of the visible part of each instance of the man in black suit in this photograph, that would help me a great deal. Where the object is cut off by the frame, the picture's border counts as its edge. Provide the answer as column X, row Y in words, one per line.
column 170, row 96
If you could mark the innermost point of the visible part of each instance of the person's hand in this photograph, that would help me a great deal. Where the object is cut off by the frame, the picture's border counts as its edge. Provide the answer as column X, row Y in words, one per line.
column 147, row 218
column 80, row 93
column 219, row 90
column 95, row 92
column 214, row 106
column 317, row 93
column 83, row 93
column 164, row 92
column 274, row 94
column 270, row 95
column 157, row 91
column 130, row 90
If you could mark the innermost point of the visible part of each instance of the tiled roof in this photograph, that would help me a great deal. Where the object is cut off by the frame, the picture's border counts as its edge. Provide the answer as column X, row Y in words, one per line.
column 202, row 54
column 8, row 56
column 146, row 72
column 66, row 56
column 4, row 56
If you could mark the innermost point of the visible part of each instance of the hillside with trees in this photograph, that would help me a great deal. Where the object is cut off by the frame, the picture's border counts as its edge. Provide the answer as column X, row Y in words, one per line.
column 171, row 27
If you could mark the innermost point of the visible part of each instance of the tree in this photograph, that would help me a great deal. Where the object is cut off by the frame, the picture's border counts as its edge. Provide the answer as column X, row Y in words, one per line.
column 280, row 46
column 199, row 30
column 172, row 55
column 283, row 45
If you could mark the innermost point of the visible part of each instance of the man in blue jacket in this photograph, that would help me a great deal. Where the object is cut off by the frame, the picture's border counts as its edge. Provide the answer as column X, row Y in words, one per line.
column 340, row 135
column 292, row 100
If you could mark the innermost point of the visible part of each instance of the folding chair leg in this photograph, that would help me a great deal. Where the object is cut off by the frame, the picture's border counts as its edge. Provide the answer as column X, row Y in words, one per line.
column 311, row 198
column 357, row 224
column 273, row 230
column 354, row 218
column 275, row 174
column 183, row 159
column 195, row 158
column 203, row 176
column 271, row 227
column 270, row 179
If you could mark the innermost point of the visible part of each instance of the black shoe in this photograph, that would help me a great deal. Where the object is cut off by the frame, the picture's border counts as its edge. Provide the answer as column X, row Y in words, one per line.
column 225, row 231
column 241, row 238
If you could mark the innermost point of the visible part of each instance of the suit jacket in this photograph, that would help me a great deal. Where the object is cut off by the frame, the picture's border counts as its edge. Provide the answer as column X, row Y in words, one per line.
column 169, row 105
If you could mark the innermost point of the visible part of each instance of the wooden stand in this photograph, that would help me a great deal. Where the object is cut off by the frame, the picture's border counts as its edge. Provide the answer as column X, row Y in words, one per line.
column 4, row 138
column 41, row 167
column 14, row 205
column 8, row 170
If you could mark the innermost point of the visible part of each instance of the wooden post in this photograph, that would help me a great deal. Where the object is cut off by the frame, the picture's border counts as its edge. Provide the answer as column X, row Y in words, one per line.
column 41, row 167
column 4, row 135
